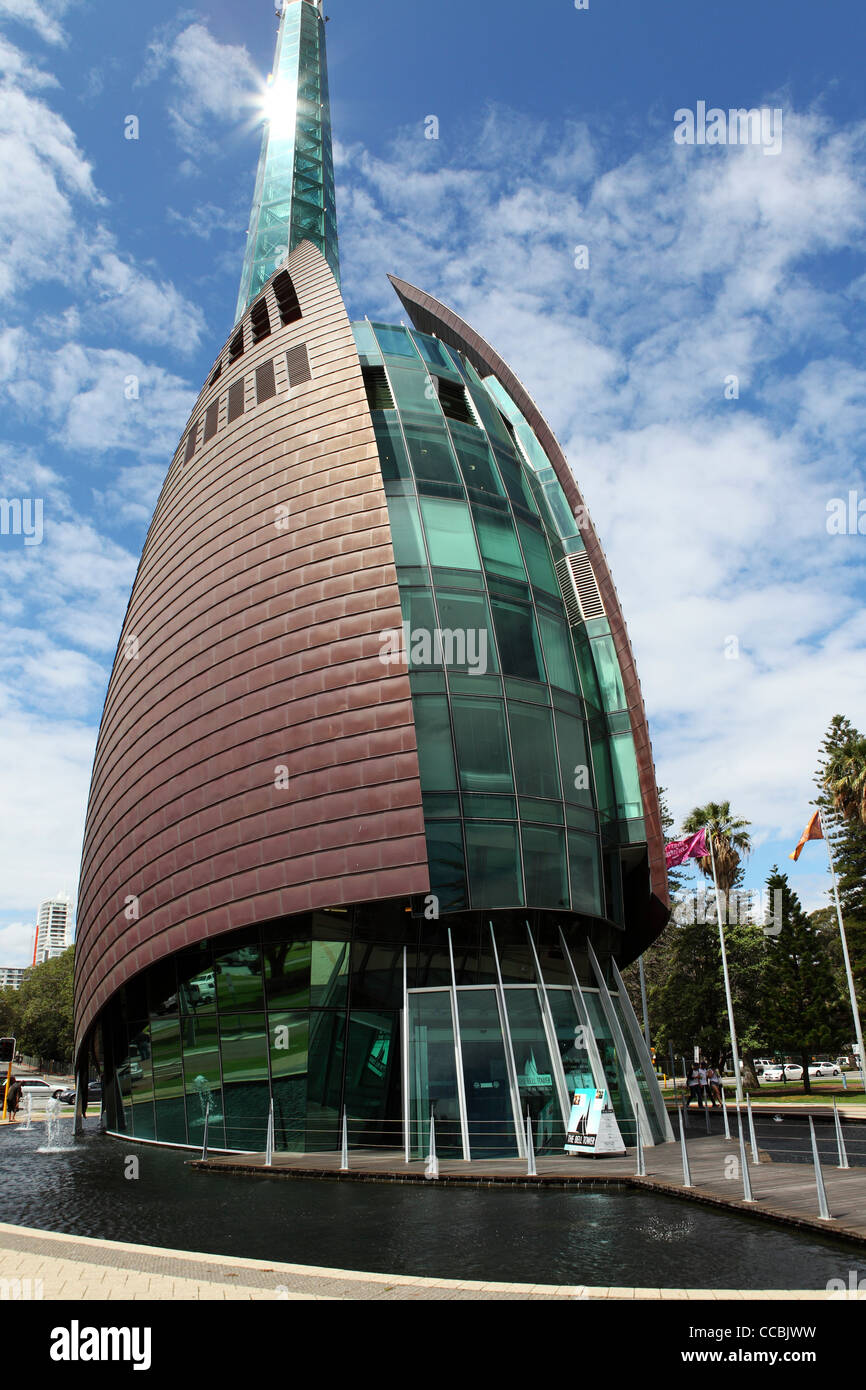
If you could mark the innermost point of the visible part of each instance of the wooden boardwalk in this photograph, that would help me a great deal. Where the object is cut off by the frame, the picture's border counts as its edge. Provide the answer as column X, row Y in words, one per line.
column 783, row 1192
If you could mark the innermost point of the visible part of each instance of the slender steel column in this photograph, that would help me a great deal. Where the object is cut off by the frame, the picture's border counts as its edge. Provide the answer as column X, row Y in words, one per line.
column 405, row 1058
column 458, row 1056
column 590, row 1044
column 552, row 1040
column 646, row 1061
column 628, row 1070
column 510, row 1059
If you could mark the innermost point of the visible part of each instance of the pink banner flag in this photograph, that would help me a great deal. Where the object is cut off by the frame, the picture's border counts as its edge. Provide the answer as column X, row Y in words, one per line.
column 678, row 851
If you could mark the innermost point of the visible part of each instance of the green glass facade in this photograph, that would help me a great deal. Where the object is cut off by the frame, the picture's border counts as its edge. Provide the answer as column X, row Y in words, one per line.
column 528, row 766
column 294, row 198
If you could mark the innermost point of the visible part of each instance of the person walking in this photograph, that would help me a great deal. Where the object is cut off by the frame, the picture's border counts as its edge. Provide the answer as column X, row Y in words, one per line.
column 13, row 1100
column 714, row 1084
column 702, row 1075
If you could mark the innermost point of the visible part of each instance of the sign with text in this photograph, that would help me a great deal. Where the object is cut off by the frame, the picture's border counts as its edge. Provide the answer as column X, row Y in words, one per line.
column 592, row 1126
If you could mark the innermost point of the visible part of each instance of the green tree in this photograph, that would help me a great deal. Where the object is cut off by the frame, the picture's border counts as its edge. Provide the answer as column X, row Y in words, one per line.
column 847, row 838
column 44, row 1024
column 803, row 1010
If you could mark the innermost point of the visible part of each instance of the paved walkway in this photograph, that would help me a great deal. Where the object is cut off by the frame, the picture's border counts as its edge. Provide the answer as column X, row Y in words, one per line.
column 78, row 1268
column 783, row 1192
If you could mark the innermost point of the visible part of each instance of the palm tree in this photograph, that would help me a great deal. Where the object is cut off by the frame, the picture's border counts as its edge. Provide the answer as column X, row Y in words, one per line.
column 731, row 841
column 844, row 775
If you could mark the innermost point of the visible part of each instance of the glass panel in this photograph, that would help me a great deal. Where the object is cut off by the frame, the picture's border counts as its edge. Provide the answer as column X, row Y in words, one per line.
column 430, row 452
column 449, row 534
column 202, row 1081
column 538, row 560
column 374, row 1105
column 558, row 653
column 287, row 974
column 610, row 678
column 489, row 1111
column 603, row 776
column 445, row 858
column 433, row 1076
column 196, row 989
column 168, row 1081
column 432, row 351
column 585, row 873
column 498, row 541
column 244, row 1046
column 535, row 1082
column 483, row 759
column 535, row 765
column 517, row 637
column 377, row 975
column 239, row 978
column 467, row 633
column 423, row 652
column 329, row 971
column 475, row 459
column 481, row 807
column 571, row 1036
column 573, row 759
column 395, row 341
column 414, row 390
column 516, row 485
column 392, row 450
column 135, row 1078
column 289, row 1036
column 406, row 535
column 613, row 1068
column 494, row 865
column 435, row 751
column 626, row 780
column 324, row 1078
column 544, row 866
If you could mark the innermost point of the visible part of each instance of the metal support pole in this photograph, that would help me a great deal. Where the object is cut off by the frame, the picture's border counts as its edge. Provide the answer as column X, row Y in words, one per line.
column 840, row 1138
column 725, row 1108
column 206, row 1124
column 687, row 1177
column 431, row 1169
column 852, row 993
column 823, row 1209
column 269, row 1141
column 728, row 1000
column 646, row 1031
column 707, row 1113
column 641, row 1165
column 344, row 1146
column 530, row 1147
column 753, row 1140
column 747, row 1181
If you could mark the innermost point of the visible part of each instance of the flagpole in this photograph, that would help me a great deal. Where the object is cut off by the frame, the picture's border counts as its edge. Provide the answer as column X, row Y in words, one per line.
column 734, row 1050
column 851, row 991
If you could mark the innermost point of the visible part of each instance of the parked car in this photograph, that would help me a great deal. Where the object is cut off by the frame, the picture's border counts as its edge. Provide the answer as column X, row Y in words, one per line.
column 39, row 1091
column 825, row 1069
column 790, row 1072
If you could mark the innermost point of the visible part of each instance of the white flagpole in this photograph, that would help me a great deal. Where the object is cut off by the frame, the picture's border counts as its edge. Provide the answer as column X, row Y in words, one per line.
column 736, row 1055
column 851, row 991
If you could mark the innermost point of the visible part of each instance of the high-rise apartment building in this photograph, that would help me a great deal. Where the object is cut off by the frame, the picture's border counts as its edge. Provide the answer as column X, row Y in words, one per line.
column 53, row 928
column 373, row 823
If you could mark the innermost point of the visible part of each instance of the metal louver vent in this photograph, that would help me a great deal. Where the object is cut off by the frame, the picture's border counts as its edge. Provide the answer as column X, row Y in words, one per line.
column 211, row 420
column 579, row 589
column 378, row 391
column 266, row 386
column 190, row 443
column 236, row 400
column 298, row 365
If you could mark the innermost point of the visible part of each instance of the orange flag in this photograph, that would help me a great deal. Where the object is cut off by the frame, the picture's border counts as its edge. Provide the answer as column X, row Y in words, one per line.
column 813, row 831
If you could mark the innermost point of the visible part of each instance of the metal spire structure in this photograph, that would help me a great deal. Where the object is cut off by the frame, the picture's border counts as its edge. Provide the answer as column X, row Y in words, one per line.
column 294, row 200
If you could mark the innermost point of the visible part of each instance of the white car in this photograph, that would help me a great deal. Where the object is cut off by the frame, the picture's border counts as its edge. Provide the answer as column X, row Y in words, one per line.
column 825, row 1069
column 40, row 1092
column 790, row 1072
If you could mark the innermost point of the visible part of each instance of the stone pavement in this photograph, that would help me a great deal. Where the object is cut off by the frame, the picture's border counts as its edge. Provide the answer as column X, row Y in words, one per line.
column 80, row 1268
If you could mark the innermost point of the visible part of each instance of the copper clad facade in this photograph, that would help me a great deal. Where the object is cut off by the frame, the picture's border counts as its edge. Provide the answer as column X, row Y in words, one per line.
column 255, row 758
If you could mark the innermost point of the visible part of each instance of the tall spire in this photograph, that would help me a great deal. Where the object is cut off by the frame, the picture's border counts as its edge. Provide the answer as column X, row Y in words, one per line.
column 294, row 199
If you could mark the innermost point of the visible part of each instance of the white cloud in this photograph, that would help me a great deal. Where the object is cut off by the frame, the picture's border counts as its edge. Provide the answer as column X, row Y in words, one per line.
column 39, row 16
column 214, row 83
column 144, row 309
column 16, row 942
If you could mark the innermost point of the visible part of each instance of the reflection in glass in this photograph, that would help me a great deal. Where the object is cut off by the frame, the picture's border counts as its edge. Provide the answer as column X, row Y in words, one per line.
column 433, row 1076
column 489, row 1110
column 535, row 1081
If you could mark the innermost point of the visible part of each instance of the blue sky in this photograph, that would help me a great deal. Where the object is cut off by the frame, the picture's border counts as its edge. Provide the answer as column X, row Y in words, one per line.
column 120, row 259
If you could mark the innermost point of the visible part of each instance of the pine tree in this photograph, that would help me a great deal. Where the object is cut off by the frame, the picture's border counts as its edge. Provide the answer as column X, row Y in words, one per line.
column 803, row 1010
column 848, row 843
